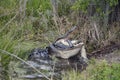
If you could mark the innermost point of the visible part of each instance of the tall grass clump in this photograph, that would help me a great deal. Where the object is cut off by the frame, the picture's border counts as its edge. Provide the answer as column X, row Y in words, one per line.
column 7, row 43
column 95, row 71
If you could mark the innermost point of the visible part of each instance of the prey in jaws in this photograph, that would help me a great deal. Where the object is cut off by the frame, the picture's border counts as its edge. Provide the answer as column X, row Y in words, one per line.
column 65, row 48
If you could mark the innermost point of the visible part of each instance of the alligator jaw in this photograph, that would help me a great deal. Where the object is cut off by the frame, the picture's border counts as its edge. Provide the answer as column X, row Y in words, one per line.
column 69, row 52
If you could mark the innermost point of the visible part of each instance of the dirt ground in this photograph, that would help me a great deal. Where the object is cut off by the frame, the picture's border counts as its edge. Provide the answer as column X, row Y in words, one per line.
column 110, row 53
column 113, row 57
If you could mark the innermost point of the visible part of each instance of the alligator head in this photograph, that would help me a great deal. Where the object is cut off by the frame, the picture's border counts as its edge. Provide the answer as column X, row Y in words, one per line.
column 66, row 49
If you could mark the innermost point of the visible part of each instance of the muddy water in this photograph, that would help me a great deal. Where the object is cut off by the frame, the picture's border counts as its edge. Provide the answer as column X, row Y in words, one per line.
column 50, row 67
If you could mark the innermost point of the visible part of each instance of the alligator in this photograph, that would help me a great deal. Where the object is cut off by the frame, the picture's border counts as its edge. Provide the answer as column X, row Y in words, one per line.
column 63, row 47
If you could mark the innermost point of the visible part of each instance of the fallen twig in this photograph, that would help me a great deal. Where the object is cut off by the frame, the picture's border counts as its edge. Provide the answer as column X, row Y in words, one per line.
column 3, row 51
